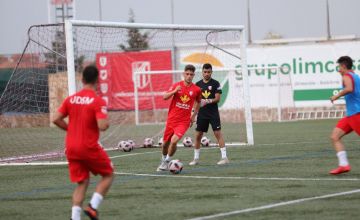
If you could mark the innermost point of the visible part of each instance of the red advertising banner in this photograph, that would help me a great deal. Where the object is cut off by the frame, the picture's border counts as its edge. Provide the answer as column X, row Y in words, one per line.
column 116, row 84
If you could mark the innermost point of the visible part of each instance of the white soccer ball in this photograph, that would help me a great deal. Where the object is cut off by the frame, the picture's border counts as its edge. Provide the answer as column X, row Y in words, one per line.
column 132, row 143
column 161, row 141
column 187, row 142
column 175, row 166
column 205, row 142
column 124, row 146
column 148, row 142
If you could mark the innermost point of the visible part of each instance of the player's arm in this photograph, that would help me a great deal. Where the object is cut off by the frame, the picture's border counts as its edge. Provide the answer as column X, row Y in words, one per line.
column 103, row 124
column 59, row 121
column 195, row 111
column 348, row 88
column 170, row 93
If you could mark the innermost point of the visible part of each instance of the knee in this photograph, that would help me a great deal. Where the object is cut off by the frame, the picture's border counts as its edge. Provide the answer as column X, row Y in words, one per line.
column 334, row 137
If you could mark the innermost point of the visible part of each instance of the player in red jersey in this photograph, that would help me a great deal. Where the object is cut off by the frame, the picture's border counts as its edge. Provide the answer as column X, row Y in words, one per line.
column 87, row 114
column 180, row 117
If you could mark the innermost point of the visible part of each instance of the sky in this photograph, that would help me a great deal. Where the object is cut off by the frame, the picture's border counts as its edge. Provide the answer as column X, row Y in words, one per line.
column 288, row 18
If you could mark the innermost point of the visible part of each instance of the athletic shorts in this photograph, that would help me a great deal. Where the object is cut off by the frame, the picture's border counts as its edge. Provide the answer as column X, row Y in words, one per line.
column 177, row 129
column 350, row 123
column 202, row 124
column 95, row 161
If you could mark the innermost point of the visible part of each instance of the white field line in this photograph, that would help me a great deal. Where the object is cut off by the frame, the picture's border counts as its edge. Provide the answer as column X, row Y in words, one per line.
column 274, row 205
column 237, row 177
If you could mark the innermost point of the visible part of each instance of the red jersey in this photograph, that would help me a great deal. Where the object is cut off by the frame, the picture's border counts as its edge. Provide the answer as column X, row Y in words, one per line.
column 182, row 102
column 83, row 109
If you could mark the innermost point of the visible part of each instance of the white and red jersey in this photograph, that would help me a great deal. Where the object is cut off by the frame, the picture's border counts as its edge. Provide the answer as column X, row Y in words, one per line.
column 83, row 109
column 182, row 102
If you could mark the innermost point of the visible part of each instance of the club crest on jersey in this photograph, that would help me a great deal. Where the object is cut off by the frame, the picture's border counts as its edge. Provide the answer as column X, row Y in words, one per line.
column 184, row 98
column 206, row 94
column 209, row 87
column 191, row 93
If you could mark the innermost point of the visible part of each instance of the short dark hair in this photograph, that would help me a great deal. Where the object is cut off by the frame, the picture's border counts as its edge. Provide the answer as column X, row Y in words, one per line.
column 190, row 67
column 90, row 75
column 347, row 61
column 207, row 66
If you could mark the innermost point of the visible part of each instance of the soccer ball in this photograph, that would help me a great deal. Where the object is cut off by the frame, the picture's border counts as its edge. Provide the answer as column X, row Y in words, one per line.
column 187, row 142
column 161, row 141
column 124, row 146
column 148, row 142
column 132, row 143
column 205, row 142
column 175, row 166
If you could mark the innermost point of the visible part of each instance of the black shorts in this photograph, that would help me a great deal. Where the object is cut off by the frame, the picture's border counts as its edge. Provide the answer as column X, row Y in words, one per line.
column 202, row 124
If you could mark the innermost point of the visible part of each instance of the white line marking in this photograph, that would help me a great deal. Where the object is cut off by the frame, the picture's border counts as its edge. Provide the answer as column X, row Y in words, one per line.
column 238, row 177
column 134, row 154
column 291, row 202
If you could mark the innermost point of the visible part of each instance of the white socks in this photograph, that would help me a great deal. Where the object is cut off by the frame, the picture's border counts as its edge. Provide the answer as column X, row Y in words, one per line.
column 76, row 213
column 196, row 154
column 343, row 161
column 96, row 199
column 168, row 158
column 163, row 157
column 223, row 152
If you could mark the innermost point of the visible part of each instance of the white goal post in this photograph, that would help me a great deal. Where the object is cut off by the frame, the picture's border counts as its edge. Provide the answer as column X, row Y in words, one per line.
column 69, row 34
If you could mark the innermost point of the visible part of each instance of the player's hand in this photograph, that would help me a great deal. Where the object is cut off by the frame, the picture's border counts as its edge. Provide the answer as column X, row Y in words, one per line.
column 192, row 120
column 178, row 88
column 333, row 98
column 204, row 102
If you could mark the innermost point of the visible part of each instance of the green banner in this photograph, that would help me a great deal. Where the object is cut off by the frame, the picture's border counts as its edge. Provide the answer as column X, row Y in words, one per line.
column 314, row 94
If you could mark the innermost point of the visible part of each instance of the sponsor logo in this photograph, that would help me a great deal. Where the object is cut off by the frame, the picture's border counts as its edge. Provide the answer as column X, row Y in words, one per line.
column 104, row 87
column 103, row 74
column 103, row 61
column 81, row 100
column 206, row 94
column 142, row 80
column 184, row 98
column 182, row 105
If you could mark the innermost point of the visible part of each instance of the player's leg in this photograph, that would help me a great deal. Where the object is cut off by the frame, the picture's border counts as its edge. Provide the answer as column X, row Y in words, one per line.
column 216, row 127
column 80, row 175
column 78, row 199
column 163, row 166
column 202, row 125
column 198, row 136
column 341, row 129
column 99, row 163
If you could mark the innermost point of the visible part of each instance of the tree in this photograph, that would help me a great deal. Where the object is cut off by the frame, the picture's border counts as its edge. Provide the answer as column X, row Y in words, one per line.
column 136, row 40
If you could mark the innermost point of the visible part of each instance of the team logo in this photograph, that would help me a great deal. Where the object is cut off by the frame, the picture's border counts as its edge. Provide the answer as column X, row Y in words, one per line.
column 206, row 94
column 191, row 93
column 103, row 61
column 104, row 110
column 104, row 87
column 209, row 87
column 142, row 80
column 103, row 74
column 184, row 98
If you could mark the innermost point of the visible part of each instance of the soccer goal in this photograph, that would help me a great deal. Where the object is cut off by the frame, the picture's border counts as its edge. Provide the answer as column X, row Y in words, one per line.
column 130, row 58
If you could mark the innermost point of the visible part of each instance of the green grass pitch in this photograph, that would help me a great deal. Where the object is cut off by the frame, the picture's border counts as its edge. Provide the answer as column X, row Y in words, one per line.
column 257, row 176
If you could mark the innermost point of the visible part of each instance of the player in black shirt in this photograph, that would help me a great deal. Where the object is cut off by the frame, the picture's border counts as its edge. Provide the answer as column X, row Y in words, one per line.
column 209, row 114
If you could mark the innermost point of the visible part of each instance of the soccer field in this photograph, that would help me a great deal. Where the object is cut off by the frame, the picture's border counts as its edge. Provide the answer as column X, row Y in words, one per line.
column 284, row 176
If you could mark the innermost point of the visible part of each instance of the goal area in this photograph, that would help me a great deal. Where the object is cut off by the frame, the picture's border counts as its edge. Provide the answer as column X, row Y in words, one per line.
column 137, row 64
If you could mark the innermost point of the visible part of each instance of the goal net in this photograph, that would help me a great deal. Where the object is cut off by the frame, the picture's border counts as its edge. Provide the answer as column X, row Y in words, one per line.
column 126, row 54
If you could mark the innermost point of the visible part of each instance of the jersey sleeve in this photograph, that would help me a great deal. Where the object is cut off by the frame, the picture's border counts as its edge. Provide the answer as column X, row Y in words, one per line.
column 100, row 109
column 63, row 109
column 218, row 88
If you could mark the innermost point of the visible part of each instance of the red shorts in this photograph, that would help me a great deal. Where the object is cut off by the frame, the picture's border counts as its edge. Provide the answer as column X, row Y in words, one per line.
column 95, row 161
column 349, row 124
column 175, row 129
